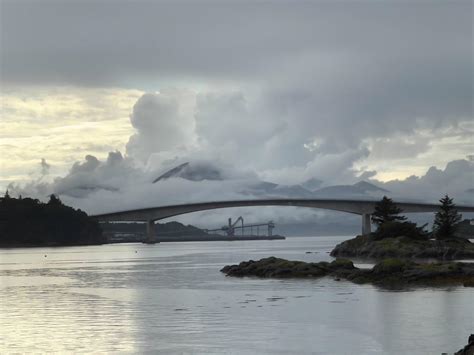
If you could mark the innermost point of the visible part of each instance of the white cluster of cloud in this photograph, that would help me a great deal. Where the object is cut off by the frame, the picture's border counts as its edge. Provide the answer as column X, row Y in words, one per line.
column 163, row 122
column 226, row 163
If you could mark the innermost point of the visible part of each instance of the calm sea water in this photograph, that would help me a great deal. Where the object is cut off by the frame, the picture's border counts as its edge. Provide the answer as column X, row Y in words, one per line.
column 171, row 298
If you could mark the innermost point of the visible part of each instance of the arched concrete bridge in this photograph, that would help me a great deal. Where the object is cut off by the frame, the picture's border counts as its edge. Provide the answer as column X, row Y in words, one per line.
column 361, row 207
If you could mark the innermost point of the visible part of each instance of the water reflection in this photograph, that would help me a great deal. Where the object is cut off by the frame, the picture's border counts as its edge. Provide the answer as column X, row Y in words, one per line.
column 172, row 298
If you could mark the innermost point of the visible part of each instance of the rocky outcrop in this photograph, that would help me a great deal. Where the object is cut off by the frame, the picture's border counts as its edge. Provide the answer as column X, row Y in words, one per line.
column 469, row 348
column 403, row 247
column 280, row 268
column 390, row 273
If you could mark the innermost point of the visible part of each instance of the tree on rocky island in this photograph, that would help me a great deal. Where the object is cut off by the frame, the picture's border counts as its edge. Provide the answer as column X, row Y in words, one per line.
column 391, row 225
column 386, row 211
column 446, row 218
column 397, row 229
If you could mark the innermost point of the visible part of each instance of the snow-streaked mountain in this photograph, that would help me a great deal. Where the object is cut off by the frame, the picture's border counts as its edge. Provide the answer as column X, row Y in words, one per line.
column 193, row 172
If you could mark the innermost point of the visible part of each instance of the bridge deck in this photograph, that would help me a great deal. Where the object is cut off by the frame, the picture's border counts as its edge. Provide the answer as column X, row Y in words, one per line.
column 359, row 207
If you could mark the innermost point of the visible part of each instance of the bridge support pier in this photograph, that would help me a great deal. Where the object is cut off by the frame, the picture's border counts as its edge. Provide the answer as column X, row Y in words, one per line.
column 150, row 232
column 366, row 227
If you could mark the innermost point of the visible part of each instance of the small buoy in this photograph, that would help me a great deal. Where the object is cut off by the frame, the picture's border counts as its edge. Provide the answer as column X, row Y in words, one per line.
column 135, row 251
column 45, row 256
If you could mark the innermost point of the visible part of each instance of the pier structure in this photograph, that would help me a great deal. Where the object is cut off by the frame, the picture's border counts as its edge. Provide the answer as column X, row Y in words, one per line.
column 232, row 229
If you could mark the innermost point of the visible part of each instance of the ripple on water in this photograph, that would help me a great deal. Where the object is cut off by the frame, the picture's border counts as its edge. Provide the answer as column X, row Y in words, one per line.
column 173, row 299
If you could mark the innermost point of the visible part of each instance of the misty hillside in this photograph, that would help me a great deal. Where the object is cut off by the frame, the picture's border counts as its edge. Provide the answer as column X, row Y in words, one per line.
column 264, row 189
column 312, row 184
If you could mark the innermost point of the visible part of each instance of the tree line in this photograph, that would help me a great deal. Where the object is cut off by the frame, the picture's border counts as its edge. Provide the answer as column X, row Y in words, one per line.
column 391, row 224
column 27, row 221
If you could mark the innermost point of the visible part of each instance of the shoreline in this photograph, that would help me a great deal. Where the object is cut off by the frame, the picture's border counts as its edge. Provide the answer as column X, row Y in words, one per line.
column 213, row 238
column 158, row 240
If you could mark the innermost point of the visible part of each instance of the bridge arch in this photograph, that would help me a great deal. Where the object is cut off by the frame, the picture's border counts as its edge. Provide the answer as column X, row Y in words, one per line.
column 360, row 207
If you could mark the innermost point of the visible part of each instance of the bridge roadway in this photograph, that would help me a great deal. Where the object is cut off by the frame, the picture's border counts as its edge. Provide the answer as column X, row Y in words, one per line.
column 360, row 207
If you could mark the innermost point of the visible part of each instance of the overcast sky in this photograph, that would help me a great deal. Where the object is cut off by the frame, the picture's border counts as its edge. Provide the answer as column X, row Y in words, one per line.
column 280, row 90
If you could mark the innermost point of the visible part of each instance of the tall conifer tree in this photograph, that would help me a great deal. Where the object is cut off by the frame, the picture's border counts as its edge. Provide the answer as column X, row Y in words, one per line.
column 386, row 211
column 446, row 218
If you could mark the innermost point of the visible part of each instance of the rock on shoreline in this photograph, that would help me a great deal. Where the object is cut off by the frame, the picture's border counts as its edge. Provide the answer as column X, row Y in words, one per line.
column 390, row 273
column 469, row 348
column 403, row 247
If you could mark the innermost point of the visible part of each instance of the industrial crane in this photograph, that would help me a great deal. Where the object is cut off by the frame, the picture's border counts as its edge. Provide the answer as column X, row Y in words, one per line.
column 230, row 228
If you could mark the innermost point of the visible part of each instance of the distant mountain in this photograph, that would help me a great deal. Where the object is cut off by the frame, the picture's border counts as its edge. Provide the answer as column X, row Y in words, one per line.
column 193, row 172
column 260, row 189
column 312, row 184
column 362, row 189
column 161, row 229
column 270, row 190
column 296, row 191
column 368, row 187
column 264, row 189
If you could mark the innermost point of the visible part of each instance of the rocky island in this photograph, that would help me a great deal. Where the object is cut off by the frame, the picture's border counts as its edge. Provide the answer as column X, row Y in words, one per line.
column 396, row 243
column 389, row 273
column 404, row 247
column 396, row 237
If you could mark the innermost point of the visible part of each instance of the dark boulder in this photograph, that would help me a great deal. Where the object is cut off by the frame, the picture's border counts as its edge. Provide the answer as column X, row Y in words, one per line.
column 388, row 273
column 469, row 348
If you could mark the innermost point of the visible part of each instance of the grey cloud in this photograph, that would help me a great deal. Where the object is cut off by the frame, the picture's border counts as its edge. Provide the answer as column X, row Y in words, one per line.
column 261, row 134
column 44, row 167
column 107, row 42
column 400, row 147
column 313, row 85
column 331, row 75
column 455, row 179
column 367, row 174
column 93, row 175
column 89, row 165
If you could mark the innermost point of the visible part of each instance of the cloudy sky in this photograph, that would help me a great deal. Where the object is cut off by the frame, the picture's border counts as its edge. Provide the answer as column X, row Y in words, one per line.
column 280, row 91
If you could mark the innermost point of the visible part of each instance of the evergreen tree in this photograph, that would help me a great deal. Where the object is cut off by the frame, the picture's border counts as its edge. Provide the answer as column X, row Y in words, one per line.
column 54, row 200
column 28, row 221
column 446, row 219
column 386, row 211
